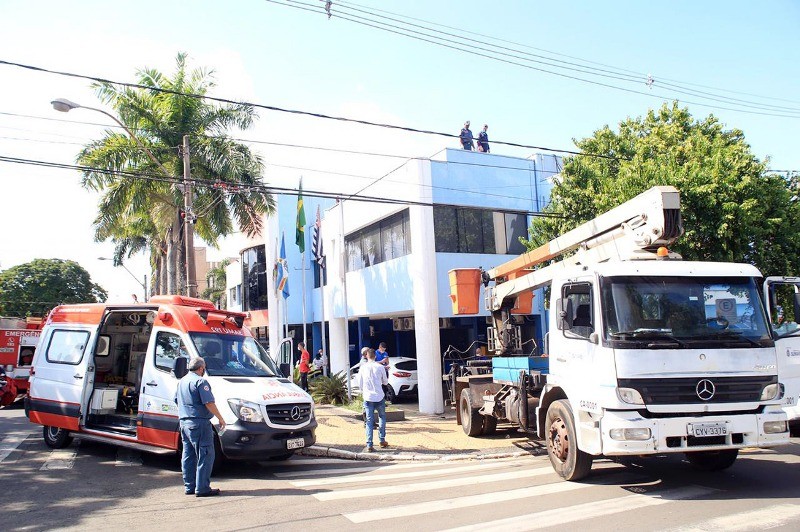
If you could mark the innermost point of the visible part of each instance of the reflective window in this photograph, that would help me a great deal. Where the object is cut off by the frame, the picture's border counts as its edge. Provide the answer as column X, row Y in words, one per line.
column 385, row 240
column 169, row 346
column 254, row 278
column 66, row 347
column 464, row 230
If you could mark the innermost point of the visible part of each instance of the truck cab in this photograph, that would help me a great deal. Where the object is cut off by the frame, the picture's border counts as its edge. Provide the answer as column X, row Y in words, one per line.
column 110, row 373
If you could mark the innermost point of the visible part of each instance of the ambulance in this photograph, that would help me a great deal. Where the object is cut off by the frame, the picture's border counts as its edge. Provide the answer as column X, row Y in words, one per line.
column 109, row 373
column 18, row 339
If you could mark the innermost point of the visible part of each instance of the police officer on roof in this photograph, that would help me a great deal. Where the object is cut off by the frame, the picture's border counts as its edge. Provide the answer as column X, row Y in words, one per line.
column 195, row 409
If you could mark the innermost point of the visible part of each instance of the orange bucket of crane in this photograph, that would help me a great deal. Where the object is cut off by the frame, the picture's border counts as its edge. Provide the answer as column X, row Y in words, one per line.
column 465, row 289
column 524, row 303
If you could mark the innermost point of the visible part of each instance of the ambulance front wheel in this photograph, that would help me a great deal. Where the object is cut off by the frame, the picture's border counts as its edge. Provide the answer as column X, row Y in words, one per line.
column 56, row 438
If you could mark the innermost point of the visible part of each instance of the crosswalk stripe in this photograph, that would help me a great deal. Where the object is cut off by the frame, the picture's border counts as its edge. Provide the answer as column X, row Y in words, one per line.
column 366, row 477
column 61, row 458
column 361, row 468
column 311, row 462
column 128, row 458
column 434, row 485
column 407, row 510
column 11, row 442
column 761, row 519
column 590, row 510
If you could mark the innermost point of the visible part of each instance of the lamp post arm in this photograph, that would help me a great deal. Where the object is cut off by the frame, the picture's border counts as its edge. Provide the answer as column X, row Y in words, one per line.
column 134, row 137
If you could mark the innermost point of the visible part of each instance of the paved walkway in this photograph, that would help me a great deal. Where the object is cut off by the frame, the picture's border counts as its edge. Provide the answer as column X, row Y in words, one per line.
column 418, row 437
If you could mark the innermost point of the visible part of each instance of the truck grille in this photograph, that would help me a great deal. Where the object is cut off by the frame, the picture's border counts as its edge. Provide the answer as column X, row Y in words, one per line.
column 684, row 390
column 291, row 414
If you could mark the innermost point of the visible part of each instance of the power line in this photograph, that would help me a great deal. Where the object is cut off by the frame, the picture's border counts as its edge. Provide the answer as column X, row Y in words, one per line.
column 642, row 75
column 290, row 111
column 427, row 38
column 240, row 187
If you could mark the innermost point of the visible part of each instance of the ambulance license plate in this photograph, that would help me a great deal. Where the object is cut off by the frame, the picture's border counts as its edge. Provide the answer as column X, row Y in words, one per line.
column 295, row 443
column 705, row 430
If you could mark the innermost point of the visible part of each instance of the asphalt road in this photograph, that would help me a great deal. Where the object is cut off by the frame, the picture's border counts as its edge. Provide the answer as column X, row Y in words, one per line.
column 97, row 486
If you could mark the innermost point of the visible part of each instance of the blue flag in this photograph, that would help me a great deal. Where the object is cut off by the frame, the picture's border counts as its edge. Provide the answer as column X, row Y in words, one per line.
column 282, row 278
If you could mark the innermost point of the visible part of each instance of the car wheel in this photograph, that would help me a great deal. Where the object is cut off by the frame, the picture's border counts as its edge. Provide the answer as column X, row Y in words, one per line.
column 569, row 462
column 471, row 418
column 712, row 460
column 56, row 438
column 390, row 395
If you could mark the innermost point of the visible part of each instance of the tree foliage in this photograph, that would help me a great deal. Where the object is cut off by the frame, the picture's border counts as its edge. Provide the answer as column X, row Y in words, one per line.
column 142, row 213
column 216, row 279
column 32, row 289
column 732, row 210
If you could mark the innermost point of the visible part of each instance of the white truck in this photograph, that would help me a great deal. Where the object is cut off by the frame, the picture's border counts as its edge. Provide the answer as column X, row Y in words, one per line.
column 645, row 354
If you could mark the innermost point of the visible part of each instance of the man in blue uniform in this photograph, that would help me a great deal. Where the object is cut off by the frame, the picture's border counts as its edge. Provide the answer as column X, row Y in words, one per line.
column 195, row 409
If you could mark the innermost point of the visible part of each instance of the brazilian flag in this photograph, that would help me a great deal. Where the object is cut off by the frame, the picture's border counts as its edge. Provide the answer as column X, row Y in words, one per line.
column 300, row 233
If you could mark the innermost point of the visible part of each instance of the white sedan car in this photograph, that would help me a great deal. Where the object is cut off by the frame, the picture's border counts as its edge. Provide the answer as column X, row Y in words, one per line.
column 402, row 378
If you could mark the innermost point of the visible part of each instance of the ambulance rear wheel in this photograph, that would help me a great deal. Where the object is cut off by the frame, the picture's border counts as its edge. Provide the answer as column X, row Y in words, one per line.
column 568, row 461
column 56, row 438
column 471, row 418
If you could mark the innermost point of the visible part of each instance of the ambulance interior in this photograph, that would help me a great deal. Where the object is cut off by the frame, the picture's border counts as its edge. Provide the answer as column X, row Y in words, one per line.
column 119, row 360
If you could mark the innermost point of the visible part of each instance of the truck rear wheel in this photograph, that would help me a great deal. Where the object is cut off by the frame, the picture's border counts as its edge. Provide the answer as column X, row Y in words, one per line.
column 569, row 462
column 471, row 419
column 712, row 460
column 489, row 425
column 56, row 438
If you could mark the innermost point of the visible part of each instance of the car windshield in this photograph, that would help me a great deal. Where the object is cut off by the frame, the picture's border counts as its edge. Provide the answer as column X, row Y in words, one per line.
column 231, row 355
column 683, row 312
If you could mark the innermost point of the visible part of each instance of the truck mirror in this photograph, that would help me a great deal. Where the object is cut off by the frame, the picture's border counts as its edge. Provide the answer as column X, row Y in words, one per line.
column 181, row 367
column 564, row 309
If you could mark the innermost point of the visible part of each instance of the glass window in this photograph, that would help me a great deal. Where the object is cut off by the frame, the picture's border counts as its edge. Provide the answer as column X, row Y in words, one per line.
column 355, row 259
column 445, row 229
column 516, row 228
column 254, row 278
column 371, row 245
column 470, row 231
column 66, row 347
column 385, row 240
column 580, row 297
column 169, row 346
column 231, row 355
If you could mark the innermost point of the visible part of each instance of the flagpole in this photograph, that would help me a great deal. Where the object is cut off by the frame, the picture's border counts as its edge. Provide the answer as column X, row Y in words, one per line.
column 303, row 274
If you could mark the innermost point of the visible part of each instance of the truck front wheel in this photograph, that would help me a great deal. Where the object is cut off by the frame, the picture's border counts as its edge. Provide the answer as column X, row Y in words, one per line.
column 56, row 438
column 471, row 419
column 562, row 443
column 712, row 460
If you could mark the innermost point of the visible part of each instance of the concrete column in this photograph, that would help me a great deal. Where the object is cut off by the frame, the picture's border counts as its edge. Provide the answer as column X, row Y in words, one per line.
column 339, row 356
column 422, row 269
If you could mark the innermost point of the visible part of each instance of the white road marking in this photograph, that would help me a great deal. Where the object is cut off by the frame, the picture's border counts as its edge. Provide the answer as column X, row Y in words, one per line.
column 128, row 458
column 761, row 519
column 11, row 442
column 62, row 458
column 469, row 501
column 435, row 485
column 366, row 477
column 590, row 510
column 361, row 468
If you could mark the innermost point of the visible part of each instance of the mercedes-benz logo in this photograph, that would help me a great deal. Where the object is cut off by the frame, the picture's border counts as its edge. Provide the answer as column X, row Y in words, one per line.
column 705, row 389
column 295, row 412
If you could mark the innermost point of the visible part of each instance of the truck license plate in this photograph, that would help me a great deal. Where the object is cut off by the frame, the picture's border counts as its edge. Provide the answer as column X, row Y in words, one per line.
column 704, row 430
column 295, row 443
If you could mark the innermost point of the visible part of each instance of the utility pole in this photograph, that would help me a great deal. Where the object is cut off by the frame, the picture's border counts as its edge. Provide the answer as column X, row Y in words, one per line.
column 188, row 223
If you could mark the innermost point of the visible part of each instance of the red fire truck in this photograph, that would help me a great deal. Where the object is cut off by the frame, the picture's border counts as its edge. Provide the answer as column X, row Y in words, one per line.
column 18, row 339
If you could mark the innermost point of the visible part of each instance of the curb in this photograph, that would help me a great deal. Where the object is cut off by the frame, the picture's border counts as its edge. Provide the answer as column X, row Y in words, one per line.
column 332, row 452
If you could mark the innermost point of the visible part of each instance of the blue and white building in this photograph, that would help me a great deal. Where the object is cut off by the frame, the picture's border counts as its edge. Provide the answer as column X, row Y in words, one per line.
column 386, row 278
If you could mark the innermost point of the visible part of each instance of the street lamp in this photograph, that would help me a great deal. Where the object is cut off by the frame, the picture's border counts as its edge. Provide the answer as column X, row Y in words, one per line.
column 142, row 284
column 63, row 105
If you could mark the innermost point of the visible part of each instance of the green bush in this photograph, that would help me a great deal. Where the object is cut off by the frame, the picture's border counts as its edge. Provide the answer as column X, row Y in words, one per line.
column 329, row 390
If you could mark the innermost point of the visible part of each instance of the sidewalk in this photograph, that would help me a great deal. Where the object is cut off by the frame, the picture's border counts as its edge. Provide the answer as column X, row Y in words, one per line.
column 418, row 437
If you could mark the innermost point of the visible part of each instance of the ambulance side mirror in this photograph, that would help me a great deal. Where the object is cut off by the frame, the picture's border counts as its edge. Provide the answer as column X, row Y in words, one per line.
column 181, row 367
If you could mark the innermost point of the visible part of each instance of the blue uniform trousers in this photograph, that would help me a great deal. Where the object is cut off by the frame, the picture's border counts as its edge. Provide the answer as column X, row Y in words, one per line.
column 198, row 454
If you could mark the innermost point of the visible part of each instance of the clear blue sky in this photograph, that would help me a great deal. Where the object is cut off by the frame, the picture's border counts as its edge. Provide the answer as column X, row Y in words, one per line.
column 281, row 56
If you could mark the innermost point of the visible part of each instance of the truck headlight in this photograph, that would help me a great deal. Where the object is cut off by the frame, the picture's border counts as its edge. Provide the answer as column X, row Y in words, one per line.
column 775, row 427
column 630, row 396
column 636, row 434
column 246, row 410
column 772, row 391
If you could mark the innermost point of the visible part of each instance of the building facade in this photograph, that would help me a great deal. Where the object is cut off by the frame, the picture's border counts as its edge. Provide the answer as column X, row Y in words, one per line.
column 387, row 261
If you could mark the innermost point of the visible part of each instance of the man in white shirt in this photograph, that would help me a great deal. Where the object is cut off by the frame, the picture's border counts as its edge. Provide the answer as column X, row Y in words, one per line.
column 371, row 379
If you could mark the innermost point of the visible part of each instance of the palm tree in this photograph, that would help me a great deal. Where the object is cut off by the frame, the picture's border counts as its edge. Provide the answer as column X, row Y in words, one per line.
column 138, row 213
column 216, row 284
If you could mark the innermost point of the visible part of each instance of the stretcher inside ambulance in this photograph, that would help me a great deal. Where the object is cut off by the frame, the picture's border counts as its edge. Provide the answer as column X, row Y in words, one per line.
column 110, row 373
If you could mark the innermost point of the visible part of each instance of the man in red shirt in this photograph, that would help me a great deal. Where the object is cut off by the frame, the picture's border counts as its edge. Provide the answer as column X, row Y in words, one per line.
column 305, row 359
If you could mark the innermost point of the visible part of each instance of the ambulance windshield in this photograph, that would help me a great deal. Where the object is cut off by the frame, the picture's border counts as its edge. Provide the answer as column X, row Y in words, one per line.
column 231, row 355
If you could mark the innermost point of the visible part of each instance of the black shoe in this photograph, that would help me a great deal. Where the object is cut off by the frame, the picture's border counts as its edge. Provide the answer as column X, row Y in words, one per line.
column 211, row 493
column 188, row 493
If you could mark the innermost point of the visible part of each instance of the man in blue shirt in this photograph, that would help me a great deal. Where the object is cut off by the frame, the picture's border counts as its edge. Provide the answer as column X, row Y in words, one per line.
column 466, row 137
column 195, row 409
column 371, row 380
